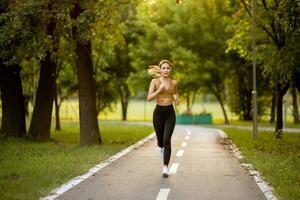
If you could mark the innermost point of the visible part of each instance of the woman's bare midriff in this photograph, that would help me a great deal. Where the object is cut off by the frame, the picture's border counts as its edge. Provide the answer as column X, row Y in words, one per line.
column 164, row 101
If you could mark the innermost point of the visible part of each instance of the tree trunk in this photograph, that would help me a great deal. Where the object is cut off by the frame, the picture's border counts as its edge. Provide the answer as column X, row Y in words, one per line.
column 41, row 118
column 89, row 129
column 273, row 105
column 223, row 109
column 13, row 110
column 98, row 103
column 57, row 118
column 295, row 106
column 248, row 107
column 188, row 102
column 219, row 98
column 193, row 99
column 124, row 109
column 124, row 95
column 297, row 78
column 26, row 104
column 280, row 91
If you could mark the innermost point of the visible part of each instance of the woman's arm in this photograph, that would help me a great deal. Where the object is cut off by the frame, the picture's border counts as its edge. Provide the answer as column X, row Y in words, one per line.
column 175, row 95
column 152, row 93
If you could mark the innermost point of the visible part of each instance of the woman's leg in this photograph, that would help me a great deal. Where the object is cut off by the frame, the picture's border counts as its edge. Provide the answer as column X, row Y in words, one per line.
column 168, row 131
column 159, row 125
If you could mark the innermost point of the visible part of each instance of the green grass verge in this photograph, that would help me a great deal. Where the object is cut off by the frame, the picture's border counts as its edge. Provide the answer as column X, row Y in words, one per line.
column 30, row 170
column 277, row 160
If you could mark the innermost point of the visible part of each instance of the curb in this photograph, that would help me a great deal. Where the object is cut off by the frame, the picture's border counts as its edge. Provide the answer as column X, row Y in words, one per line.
column 76, row 180
column 264, row 186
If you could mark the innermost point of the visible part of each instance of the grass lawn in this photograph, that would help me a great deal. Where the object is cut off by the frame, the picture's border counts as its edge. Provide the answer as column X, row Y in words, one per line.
column 30, row 170
column 277, row 160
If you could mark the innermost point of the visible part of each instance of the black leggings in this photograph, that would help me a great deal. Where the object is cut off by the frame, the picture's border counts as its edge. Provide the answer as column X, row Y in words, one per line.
column 164, row 120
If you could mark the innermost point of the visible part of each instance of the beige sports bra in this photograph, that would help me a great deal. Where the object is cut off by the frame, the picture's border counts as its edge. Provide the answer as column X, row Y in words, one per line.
column 167, row 93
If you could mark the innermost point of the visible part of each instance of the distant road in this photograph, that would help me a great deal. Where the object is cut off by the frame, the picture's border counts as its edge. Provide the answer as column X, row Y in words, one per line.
column 263, row 128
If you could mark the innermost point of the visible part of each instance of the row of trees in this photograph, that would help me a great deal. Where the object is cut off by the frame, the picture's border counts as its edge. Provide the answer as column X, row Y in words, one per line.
column 210, row 45
column 278, row 50
column 51, row 49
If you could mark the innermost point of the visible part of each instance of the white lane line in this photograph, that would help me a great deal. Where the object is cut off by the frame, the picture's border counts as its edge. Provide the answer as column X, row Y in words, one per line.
column 180, row 153
column 187, row 137
column 163, row 194
column 189, row 133
column 173, row 168
column 184, row 144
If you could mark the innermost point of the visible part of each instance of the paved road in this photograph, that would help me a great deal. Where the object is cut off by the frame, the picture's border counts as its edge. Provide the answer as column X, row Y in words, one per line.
column 202, row 169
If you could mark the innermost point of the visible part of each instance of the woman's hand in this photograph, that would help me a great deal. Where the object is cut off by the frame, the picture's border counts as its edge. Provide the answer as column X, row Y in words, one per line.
column 176, row 101
column 162, row 87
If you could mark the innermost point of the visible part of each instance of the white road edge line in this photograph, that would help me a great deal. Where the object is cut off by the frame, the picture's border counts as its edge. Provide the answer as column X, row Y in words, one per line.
column 163, row 194
column 173, row 168
column 263, row 186
column 180, row 153
column 184, row 144
column 187, row 137
column 76, row 180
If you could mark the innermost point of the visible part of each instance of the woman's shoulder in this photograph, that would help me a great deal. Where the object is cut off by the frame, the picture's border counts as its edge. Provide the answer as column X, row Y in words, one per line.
column 174, row 81
column 155, row 80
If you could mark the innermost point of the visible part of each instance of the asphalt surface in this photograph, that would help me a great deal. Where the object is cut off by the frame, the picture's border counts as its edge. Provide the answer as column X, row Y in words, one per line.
column 203, row 169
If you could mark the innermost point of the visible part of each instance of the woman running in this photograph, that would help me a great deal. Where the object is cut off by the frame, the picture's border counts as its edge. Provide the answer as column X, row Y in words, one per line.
column 164, row 90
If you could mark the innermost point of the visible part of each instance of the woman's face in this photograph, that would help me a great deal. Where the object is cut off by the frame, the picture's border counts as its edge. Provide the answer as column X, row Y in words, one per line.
column 165, row 69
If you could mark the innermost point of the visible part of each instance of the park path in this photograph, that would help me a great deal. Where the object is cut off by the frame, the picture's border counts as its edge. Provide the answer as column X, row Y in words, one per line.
column 201, row 168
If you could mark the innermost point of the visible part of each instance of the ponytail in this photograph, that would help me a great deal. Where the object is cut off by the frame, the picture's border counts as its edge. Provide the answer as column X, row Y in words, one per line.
column 154, row 70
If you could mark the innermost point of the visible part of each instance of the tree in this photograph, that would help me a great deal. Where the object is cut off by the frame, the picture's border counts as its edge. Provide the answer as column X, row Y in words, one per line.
column 106, row 37
column 279, row 36
column 65, row 84
column 295, row 106
column 35, row 23
column 52, row 12
column 84, row 15
column 111, row 55
column 121, row 67
column 13, row 110
column 41, row 119
column 192, row 34
column 11, row 37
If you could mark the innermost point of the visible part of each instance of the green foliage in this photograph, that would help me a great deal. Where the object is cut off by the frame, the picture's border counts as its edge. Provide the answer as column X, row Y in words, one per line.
column 192, row 35
column 129, row 35
column 278, row 27
column 23, row 32
column 111, row 38
column 277, row 43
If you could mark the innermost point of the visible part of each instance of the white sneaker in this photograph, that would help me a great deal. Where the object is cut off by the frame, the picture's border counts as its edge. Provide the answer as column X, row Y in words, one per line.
column 162, row 153
column 165, row 172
